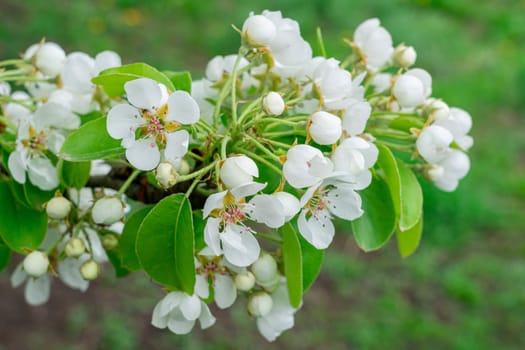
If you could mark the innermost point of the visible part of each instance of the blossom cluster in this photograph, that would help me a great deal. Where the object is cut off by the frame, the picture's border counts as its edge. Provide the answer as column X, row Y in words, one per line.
column 272, row 142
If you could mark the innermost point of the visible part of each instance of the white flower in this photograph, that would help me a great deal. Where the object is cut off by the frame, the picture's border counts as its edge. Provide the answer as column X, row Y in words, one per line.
column 37, row 290
column 305, row 166
column 273, row 103
column 405, row 56
column 178, row 312
column 436, row 109
column 48, row 58
column 459, row 123
column 202, row 91
column 374, row 42
column 244, row 281
column 238, row 170
column 325, row 128
column 258, row 30
column 265, row 271
column 382, row 82
column 36, row 263
column 17, row 112
column 220, row 65
column 158, row 116
column 75, row 247
column 446, row 173
column 107, row 211
column 212, row 269
column 355, row 117
column 352, row 160
column 433, row 143
column 58, row 208
column 412, row 88
column 260, row 304
column 279, row 318
column 166, row 175
column 290, row 204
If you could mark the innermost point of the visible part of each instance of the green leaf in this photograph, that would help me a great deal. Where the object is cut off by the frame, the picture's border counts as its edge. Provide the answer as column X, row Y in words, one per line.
column 181, row 80
column 36, row 197
column 198, row 226
column 404, row 188
column 408, row 241
column 312, row 261
column 293, row 264
column 20, row 227
column 89, row 142
column 128, row 254
column 73, row 174
column 113, row 79
column 5, row 255
column 114, row 259
column 375, row 227
column 405, row 123
column 165, row 243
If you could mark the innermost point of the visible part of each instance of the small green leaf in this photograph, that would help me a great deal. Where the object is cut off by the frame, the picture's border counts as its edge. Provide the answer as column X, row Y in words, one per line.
column 405, row 123
column 198, row 226
column 36, row 197
column 113, row 79
column 293, row 264
column 165, row 243
column 312, row 261
column 375, row 227
column 181, row 80
column 73, row 174
column 91, row 141
column 128, row 254
column 408, row 241
column 20, row 227
column 5, row 255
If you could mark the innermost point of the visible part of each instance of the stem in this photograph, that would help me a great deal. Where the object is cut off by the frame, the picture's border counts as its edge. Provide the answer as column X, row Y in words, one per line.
column 128, row 182
column 224, row 143
column 12, row 62
column 262, row 148
column 204, row 125
column 7, row 123
column 249, row 108
column 193, row 185
column 198, row 173
column 321, row 42
column 196, row 156
column 284, row 133
column 234, row 87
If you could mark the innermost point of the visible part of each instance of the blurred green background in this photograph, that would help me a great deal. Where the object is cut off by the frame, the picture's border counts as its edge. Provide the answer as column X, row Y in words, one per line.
column 465, row 286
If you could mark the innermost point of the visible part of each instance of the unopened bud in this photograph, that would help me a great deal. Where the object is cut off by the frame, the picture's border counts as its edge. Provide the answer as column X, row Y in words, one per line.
column 89, row 270
column 437, row 109
column 166, row 175
column 405, row 56
column 107, row 211
column 434, row 172
column 75, row 247
column 273, row 103
column 36, row 263
column 244, row 281
column 409, row 91
column 184, row 167
column 265, row 269
column 258, row 30
column 238, row 170
column 110, row 241
column 58, row 208
column 260, row 304
column 325, row 128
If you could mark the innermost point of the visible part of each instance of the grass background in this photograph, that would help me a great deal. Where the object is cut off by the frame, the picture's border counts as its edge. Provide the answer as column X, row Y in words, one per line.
column 465, row 286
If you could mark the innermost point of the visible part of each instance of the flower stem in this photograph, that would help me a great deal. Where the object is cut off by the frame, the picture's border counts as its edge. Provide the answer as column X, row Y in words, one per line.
column 199, row 173
column 128, row 182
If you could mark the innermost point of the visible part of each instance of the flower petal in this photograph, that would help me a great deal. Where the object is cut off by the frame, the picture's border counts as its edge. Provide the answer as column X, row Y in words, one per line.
column 191, row 307
column 178, row 324
column 239, row 245
column 344, row 203
column 69, row 273
column 212, row 235
column 42, row 173
column 225, row 291
column 37, row 290
column 144, row 154
column 183, row 108
column 214, row 201
column 123, row 120
column 144, row 93
column 266, row 209
column 176, row 144
column 17, row 166
column 206, row 319
column 19, row 276
column 318, row 230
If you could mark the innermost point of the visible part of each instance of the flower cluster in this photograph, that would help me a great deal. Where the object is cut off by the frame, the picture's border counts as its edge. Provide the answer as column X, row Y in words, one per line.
column 272, row 144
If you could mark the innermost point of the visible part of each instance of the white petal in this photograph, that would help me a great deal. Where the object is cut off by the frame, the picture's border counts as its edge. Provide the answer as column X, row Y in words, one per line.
column 17, row 166
column 42, row 173
column 144, row 154
column 178, row 324
column 54, row 115
column 297, row 166
column 247, row 165
column 143, row 93
column 19, row 276
column 225, row 291
column 77, row 72
column 107, row 59
column 266, row 209
column 290, row 204
column 344, row 203
column 214, row 201
column 202, row 286
column 123, row 120
column 247, row 189
column 355, row 117
column 170, row 302
column 97, row 249
column 318, row 230
column 69, row 273
column 239, row 245
column 182, row 108
column 37, row 290
column 159, row 319
column 176, row 144
column 206, row 319
column 191, row 307
column 211, row 235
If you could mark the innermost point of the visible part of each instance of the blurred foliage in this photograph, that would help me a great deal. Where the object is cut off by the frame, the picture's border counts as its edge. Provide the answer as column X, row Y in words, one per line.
column 463, row 289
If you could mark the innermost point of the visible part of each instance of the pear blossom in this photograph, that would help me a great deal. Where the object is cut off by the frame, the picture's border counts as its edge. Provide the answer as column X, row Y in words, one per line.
column 89, row 270
column 212, row 270
column 433, row 143
column 325, row 128
column 244, row 280
column 260, row 304
column 404, row 56
column 179, row 311
column 374, row 42
column 273, row 103
column 265, row 271
column 17, row 111
column 75, row 247
column 355, row 117
column 58, row 208
column 36, row 263
column 48, row 57
column 107, row 210
column 220, row 65
column 306, row 166
column 352, row 160
column 459, row 123
column 436, row 109
column 258, row 30
column 155, row 117
column 447, row 172
column 238, row 170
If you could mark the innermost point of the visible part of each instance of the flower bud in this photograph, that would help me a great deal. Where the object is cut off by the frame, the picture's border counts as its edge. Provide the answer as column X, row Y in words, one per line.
column 89, row 270
column 265, row 269
column 244, row 281
column 325, row 128
column 58, row 208
column 36, row 263
column 434, row 172
column 184, row 167
column 75, row 247
column 48, row 58
column 260, row 304
column 437, row 109
column 109, row 241
column 405, row 56
column 238, row 170
column 166, row 175
column 107, row 211
column 258, row 30
column 273, row 103
column 409, row 91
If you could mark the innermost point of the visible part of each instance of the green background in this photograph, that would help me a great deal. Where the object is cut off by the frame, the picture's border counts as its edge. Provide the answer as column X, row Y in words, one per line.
column 465, row 286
